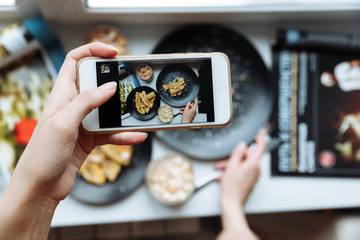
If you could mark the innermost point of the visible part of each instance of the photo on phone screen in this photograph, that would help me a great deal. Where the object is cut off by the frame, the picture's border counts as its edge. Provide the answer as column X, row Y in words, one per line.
column 158, row 92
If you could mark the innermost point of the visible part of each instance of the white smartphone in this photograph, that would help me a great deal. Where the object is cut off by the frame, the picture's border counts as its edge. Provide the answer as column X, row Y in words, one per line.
column 159, row 92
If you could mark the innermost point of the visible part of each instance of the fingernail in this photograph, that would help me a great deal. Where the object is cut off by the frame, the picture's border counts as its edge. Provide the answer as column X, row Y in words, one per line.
column 109, row 87
column 146, row 135
column 114, row 48
column 242, row 144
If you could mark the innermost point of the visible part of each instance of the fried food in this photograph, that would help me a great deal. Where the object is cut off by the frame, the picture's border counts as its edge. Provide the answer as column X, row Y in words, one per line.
column 144, row 102
column 108, row 35
column 119, row 154
column 175, row 87
column 105, row 163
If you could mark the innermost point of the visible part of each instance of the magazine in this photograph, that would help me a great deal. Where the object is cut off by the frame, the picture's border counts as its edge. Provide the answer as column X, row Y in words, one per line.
column 318, row 104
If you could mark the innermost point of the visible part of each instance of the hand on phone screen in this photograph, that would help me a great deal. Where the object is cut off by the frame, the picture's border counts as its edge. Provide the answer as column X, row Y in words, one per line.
column 189, row 111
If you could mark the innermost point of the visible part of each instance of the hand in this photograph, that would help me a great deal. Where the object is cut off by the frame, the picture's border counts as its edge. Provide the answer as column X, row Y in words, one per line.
column 189, row 111
column 57, row 148
column 45, row 173
column 239, row 177
column 242, row 170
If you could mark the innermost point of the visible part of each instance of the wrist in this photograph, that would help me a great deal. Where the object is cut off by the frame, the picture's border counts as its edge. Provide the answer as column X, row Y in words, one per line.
column 23, row 214
column 233, row 215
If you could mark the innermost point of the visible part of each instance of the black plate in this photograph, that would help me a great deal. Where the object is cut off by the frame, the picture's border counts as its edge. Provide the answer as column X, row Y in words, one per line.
column 131, row 107
column 169, row 74
column 127, row 181
column 253, row 90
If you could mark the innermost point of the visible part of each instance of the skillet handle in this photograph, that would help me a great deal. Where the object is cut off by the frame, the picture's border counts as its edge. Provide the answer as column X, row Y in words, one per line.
column 207, row 179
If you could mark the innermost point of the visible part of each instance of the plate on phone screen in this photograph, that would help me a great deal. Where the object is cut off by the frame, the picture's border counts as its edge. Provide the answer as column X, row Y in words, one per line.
column 170, row 74
column 127, row 181
column 131, row 105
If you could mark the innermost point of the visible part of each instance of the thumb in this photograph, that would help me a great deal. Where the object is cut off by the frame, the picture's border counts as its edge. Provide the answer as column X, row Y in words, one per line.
column 86, row 101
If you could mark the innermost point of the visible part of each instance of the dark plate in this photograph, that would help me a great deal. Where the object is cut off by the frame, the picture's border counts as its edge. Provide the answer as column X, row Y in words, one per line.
column 131, row 107
column 170, row 73
column 127, row 181
column 253, row 90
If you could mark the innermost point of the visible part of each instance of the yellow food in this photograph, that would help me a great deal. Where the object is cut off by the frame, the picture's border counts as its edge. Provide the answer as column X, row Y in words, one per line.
column 105, row 163
column 120, row 154
column 144, row 102
column 175, row 87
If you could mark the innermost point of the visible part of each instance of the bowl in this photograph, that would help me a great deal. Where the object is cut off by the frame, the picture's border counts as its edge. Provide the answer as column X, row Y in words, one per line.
column 144, row 72
column 165, row 114
column 170, row 179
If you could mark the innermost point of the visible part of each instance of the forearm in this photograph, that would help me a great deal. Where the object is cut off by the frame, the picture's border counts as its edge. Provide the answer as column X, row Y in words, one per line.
column 23, row 216
column 234, row 221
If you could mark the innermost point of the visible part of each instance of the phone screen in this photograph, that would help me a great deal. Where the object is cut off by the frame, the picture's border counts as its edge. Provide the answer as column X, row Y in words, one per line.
column 157, row 92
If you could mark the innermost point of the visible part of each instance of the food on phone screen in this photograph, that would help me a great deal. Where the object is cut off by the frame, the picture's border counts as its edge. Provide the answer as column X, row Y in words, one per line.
column 175, row 87
column 105, row 163
column 144, row 102
column 125, row 87
column 108, row 35
column 170, row 179
column 145, row 72
column 165, row 114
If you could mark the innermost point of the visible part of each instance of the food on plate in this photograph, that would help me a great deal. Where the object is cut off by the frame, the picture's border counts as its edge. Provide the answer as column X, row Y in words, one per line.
column 175, row 87
column 105, row 163
column 24, row 130
column 8, row 154
column 108, row 35
column 125, row 87
column 24, row 87
column 121, row 154
column 145, row 72
column 170, row 179
column 165, row 114
column 144, row 102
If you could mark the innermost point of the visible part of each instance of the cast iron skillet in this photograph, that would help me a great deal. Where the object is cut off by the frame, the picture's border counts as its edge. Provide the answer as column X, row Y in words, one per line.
column 169, row 74
column 253, row 91
column 128, row 180
column 131, row 107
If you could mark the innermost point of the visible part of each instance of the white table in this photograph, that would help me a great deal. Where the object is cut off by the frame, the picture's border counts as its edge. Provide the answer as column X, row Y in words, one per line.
column 271, row 194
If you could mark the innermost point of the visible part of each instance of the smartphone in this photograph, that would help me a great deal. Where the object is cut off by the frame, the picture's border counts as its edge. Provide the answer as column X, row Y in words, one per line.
column 159, row 92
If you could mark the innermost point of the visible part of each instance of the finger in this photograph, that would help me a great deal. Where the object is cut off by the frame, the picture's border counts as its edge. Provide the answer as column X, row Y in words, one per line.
column 238, row 154
column 85, row 102
column 96, row 49
column 188, row 106
column 260, row 145
column 182, row 109
column 221, row 164
column 65, row 88
column 195, row 102
column 219, row 178
column 125, row 138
